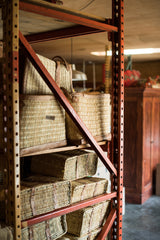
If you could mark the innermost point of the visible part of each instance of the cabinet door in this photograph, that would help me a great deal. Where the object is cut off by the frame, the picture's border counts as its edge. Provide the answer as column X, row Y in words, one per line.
column 133, row 149
column 147, row 138
column 155, row 140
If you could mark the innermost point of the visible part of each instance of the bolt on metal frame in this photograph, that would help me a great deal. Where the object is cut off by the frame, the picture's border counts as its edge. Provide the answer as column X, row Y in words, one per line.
column 11, row 112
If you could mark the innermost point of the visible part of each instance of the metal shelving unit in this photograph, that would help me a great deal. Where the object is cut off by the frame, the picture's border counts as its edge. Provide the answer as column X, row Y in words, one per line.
column 13, row 39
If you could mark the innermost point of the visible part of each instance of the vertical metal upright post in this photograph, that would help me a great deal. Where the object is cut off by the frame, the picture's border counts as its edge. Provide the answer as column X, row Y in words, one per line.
column 11, row 118
column 118, row 108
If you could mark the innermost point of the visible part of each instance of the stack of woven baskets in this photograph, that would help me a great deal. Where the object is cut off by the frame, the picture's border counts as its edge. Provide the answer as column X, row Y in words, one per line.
column 42, row 119
column 76, row 167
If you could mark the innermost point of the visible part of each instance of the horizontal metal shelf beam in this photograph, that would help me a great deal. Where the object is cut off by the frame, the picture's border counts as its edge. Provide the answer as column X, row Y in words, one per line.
column 65, row 148
column 65, row 103
column 65, row 210
column 108, row 224
column 66, row 16
column 69, row 32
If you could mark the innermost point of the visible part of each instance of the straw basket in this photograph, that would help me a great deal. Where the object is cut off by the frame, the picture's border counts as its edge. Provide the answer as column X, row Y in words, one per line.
column 84, row 221
column 91, row 236
column 41, row 194
column 47, row 230
column 42, row 122
column 66, row 165
column 88, row 187
column 6, row 233
column 94, row 110
column 59, row 69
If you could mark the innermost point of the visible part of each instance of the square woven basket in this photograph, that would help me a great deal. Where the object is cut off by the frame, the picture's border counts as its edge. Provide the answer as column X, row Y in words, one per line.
column 88, row 187
column 40, row 194
column 58, row 68
column 84, row 221
column 94, row 110
column 68, row 165
column 42, row 123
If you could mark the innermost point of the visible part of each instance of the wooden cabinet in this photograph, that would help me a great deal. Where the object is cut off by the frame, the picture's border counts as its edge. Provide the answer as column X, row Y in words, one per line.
column 141, row 142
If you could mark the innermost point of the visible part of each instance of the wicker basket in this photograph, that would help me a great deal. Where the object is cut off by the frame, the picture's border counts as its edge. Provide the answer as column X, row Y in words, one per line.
column 47, row 230
column 59, row 70
column 67, row 165
column 91, row 236
column 94, row 110
column 84, row 221
column 88, row 187
column 6, row 233
column 42, row 122
column 41, row 194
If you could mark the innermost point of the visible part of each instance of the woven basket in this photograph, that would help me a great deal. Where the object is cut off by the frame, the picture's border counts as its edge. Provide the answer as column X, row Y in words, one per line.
column 58, row 69
column 47, row 230
column 85, row 188
column 41, row 194
column 6, row 233
column 67, row 165
column 94, row 110
column 91, row 236
column 84, row 221
column 42, row 121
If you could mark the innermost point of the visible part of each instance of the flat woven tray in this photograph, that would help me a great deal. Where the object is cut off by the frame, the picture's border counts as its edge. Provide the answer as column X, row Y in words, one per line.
column 88, row 187
column 41, row 194
column 84, row 221
column 94, row 110
column 59, row 70
column 67, row 165
column 42, row 121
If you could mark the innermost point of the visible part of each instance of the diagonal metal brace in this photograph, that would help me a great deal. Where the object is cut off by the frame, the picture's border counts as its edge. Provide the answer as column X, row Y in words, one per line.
column 107, row 226
column 64, row 102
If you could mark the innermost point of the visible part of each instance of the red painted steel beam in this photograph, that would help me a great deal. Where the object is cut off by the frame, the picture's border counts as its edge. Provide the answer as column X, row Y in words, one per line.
column 75, row 31
column 65, row 103
column 66, row 16
column 65, row 210
column 107, row 226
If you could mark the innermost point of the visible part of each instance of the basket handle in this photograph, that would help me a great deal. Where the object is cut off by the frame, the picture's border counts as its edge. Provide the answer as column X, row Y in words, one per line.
column 61, row 60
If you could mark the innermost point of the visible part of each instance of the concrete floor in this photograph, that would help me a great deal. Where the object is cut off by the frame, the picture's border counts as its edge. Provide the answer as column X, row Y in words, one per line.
column 142, row 222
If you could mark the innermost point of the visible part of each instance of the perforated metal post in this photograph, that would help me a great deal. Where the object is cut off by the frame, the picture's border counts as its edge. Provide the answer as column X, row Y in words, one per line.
column 118, row 109
column 11, row 118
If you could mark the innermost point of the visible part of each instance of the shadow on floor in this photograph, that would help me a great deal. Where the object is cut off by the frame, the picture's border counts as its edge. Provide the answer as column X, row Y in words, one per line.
column 142, row 222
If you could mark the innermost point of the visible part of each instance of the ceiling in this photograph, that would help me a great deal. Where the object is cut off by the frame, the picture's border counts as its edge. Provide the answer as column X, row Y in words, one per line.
column 142, row 30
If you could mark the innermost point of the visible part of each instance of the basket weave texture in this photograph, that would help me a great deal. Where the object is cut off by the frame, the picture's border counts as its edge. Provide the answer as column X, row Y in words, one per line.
column 42, row 121
column 68, row 165
column 94, row 110
column 6, row 233
column 88, row 187
column 91, row 236
column 40, row 194
column 47, row 230
column 84, row 221
column 35, row 85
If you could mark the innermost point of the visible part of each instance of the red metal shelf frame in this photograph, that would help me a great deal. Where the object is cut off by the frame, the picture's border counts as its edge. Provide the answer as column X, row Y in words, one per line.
column 114, row 162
